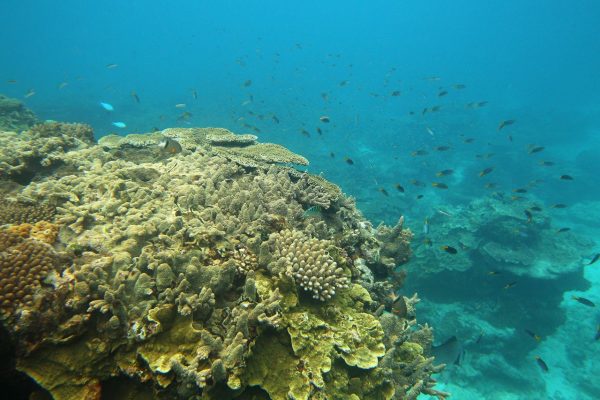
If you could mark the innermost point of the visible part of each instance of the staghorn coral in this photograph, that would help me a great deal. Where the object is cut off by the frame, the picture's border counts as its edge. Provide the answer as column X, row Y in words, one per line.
column 14, row 116
column 182, row 279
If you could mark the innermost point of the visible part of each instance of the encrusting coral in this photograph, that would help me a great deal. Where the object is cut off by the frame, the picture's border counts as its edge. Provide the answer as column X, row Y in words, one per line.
column 193, row 275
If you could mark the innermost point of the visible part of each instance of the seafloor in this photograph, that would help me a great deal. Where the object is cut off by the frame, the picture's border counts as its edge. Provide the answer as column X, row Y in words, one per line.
column 214, row 271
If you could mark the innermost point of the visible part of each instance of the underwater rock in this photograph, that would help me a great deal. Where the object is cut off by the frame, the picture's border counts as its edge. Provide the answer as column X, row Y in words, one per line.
column 185, row 275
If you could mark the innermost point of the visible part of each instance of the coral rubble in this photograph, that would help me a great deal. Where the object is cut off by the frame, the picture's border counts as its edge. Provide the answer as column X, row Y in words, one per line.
column 199, row 275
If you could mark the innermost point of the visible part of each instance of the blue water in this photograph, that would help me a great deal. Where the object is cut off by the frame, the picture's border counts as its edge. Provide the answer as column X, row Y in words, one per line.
column 536, row 62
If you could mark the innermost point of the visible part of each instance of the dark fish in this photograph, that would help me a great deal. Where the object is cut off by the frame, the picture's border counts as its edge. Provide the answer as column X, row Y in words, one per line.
column 494, row 273
column 547, row 163
column 459, row 86
column 561, row 230
column 248, row 83
column 559, row 205
column 596, row 258
column 541, row 363
column 11, row 81
column 348, row 161
column 419, row 153
column 597, row 337
column 435, row 108
column 384, row 192
column 417, row 183
column 469, row 140
column 399, row 187
column 399, row 307
column 324, row 96
column 535, row 208
column 533, row 335
column 486, row 171
column 536, row 149
column 324, row 119
column 275, row 119
column 449, row 352
column 520, row 190
column 135, row 96
column 442, row 93
column 510, row 285
column 584, row 301
column 170, row 146
column 490, row 185
column 194, row 94
column 395, row 93
column 566, row 177
column 516, row 198
column 305, row 132
column 528, row 215
column 419, row 197
column 449, row 249
column 332, row 154
column 343, row 83
column 506, row 123
column 442, row 148
column 439, row 185
column 319, row 131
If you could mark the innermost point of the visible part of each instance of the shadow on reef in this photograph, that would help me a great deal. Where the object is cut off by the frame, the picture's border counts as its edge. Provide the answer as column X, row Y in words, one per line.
column 210, row 269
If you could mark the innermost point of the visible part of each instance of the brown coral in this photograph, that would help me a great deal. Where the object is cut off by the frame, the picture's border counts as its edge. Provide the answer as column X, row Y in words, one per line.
column 12, row 212
column 83, row 132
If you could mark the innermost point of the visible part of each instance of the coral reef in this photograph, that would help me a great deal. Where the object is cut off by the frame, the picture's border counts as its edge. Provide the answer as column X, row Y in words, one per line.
column 14, row 116
column 193, row 275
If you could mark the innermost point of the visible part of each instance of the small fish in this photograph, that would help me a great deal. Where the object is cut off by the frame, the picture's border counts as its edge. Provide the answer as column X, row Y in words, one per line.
column 510, row 285
column 435, row 108
column 427, row 241
column 426, row 226
column 120, row 124
column 442, row 93
column 419, row 197
column 194, row 94
column 566, row 177
column 248, row 83
column 529, row 215
column 111, row 66
column 331, row 154
column 517, row 198
column 469, row 140
column 506, row 123
column 419, row 153
column 417, row 183
column 535, row 208
column 184, row 116
column 63, row 85
column 348, row 161
column 561, row 230
column 536, row 149
column 494, row 273
column 444, row 172
column 542, row 363
column 170, row 146
column 537, row 338
column 449, row 249
column 547, row 163
column 319, row 131
column 584, row 301
column 30, row 93
column 107, row 106
column 312, row 211
column 490, row 185
column 486, row 171
column 395, row 93
column 325, row 96
column 135, row 96
column 383, row 192
column 343, row 83
column 275, row 119
column 439, row 185
column 399, row 306
column 430, row 131
column 442, row 148
column 596, row 258
column 459, row 86
column 11, row 81
column 520, row 190
column 597, row 336
column 304, row 132
column 324, row 119
column 559, row 205
column 180, row 105
column 399, row 187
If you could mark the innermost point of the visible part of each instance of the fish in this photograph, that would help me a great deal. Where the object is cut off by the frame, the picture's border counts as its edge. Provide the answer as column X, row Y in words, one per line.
column 30, row 92
column 486, row 171
column 427, row 241
column 528, row 215
column 469, row 140
column 584, row 301
column 349, row 161
column 395, row 93
column 324, row 119
column 444, row 172
column 325, row 96
column 107, row 106
column 419, row 197
column 11, row 81
column 535, row 208
column 510, row 285
column 331, row 154
column 119, row 124
column 430, row 131
column 442, row 93
column 536, row 337
column 194, row 94
column 520, row 190
column 561, row 230
column 597, row 336
column 494, row 273
column 477, row 104
column 312, row 211
column 248, row 83
column 542, row 363
column 419, row 153
column 399, row 187
column 304, row 132
column 566, row 177
column 459, row 86
column 490, row 185
column 63, row 85
column 594, row 259
column 184, row 116
column 442, row 148
column 435, row 108
column 417, row 183
column 517, row 198
column 170, row 146
column 275, row 119
column 111, row 66
column 536, row 149
column 398, row 306
column 449, row 352
column 135, row 96
column 506, row 123
column 547, row 163
column 426, row 226
column 439, row 185
column 319, row 131
column 559, row 205
column 343, row 83
column 449, row 249
column 180, row 105
column 384, row 192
